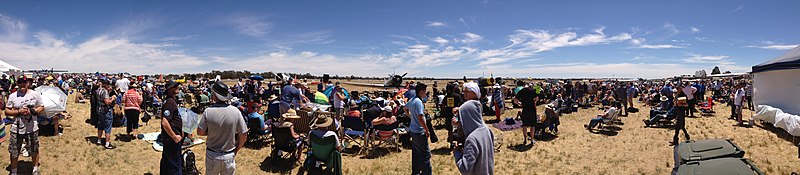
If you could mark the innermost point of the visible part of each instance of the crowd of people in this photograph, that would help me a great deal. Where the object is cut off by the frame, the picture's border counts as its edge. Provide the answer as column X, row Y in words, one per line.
column 230, row 114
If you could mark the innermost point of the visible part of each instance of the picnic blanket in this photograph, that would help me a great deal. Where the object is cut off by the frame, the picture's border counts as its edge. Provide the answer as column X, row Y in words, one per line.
column 158, row 146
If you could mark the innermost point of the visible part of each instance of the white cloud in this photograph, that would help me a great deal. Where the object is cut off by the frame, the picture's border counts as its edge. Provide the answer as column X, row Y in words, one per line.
column 776, row 46
column 470, row 37
column 250, row 25
column 526, row 43
column 740, row 7
column 12, row 29
column 592, row 70
column 694, row 29
column 659, row 46
column 439, row 40
column 104, row 52
column 718, row 59
column 434, row 24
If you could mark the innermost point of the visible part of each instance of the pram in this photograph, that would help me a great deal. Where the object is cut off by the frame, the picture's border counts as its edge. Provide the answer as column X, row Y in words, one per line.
column 550, row 120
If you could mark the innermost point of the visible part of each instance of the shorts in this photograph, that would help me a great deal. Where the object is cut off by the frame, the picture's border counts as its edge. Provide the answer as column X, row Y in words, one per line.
column 105, row 121
column 529, row 118
column 31, row 140
column 133, row 119
column 220, row 163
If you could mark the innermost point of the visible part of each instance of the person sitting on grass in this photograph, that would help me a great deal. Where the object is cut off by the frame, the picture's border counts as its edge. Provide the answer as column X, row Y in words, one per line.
column 604, row 116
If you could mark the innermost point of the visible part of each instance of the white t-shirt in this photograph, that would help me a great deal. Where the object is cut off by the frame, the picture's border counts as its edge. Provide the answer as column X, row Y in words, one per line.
column 689, row 91
column 337, row 102
column 737, row 100
column 122, row 84
column 24, row 124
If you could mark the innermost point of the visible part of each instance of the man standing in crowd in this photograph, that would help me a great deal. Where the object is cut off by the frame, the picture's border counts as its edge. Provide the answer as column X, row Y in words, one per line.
column 338, row 102
column 528, row 98
column 105, row 113
column 24, row 105
column 690, row 90
column 123, row 83
column 451, row 101
column 291, row 97
column 680, row 119
column 171, row 133
column 226, row 131
column 621, row 93
column 419, row 130
column 477, row 156
column 737, row 102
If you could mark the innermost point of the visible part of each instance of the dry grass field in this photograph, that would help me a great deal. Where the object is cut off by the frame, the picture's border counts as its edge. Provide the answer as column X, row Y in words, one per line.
column 631, row 150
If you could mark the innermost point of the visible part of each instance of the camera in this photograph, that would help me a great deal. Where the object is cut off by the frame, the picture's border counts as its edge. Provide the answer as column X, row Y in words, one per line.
column 32, row 110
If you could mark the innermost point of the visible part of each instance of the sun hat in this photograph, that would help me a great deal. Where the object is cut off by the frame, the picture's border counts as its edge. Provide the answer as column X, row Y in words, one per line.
column 291, row 113
column 220, row 90
column 272, row 97
column 664, row 98
column 323, row 121
column 172, row 84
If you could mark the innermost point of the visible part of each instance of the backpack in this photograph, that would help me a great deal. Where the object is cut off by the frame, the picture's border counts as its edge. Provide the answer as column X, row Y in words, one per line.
column 189, row 167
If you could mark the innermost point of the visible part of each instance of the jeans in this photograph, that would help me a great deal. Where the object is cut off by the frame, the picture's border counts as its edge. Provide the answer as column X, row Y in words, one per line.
column 595, row 121
column 420, row 154
column 677, row 132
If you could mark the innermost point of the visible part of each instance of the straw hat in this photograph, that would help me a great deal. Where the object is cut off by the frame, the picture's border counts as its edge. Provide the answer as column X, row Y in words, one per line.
column 291, row 113
column 323, row 122
column 272, row 97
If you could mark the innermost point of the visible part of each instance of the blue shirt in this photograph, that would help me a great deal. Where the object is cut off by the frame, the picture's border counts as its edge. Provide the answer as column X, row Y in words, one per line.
column 290, row 95
column 700, row 88
column 415, row 108
column 411, row 93
column 667, row 90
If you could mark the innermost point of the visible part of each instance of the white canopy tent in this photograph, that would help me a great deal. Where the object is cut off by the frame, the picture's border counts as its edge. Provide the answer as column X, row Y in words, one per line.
column 777, row 91
column 9, row 69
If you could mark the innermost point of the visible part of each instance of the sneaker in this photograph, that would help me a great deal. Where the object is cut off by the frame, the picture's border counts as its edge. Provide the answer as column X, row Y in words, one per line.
column 110, row 146
column 35, row 171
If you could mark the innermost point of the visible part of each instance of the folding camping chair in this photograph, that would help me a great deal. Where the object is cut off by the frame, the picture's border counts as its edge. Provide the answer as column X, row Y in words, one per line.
column 610, row 121
column 283, row 143
column 384, row 134
column 707, row 108
column 323, row 156
column 354, row 130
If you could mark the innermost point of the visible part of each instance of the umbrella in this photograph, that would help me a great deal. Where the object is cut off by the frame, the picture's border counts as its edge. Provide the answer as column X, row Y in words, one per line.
column 256, row 77
column 320, row 98
column 190, row 120
column 54, row 100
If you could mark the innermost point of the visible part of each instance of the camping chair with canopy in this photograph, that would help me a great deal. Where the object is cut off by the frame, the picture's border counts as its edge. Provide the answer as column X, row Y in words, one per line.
column 323, row 156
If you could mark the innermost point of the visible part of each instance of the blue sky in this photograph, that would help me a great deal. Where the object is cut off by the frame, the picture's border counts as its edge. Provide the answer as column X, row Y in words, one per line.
column 650, row 39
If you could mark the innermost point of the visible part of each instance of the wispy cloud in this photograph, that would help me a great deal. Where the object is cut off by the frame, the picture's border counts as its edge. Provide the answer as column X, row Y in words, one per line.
column 470, row 37
column 177, row 38
column 434, row 24
column 12, row 29
column 694, row 29
column 439, row 40
column 110, row 52
column 526, row 43
column 714, row 59
column 738, row 8
column 249, row 24
column 659, row 46
column 776, row 46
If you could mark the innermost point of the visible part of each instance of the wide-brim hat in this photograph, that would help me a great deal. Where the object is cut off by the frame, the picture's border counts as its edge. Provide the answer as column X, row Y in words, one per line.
column 664, row 98
column 323, row 121
column 220, row 90
column 272, row 97
column 291, row 113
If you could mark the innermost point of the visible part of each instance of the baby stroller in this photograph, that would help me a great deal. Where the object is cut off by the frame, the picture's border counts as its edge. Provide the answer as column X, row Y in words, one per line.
column 549, row 120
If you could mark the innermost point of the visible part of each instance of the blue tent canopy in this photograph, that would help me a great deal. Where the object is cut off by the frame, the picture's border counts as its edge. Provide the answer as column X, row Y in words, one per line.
column 790, row 60
column 328, row 92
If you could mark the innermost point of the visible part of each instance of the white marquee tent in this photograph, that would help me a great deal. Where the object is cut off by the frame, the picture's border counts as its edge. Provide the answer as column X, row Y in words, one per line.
column 9, row 69
column 776, row 86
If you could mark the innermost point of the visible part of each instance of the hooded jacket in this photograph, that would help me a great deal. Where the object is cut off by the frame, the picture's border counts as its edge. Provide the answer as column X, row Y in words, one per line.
column 478, row 153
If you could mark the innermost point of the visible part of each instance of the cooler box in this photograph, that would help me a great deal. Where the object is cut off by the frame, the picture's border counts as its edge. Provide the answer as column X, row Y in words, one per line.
column 721, row 166
column 707, row 149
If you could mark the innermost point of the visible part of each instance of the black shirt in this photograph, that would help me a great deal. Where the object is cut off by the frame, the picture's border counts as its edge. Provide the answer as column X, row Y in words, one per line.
column 171, row 114
column 372, row 113
column 450, row 101
column 527, row 96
